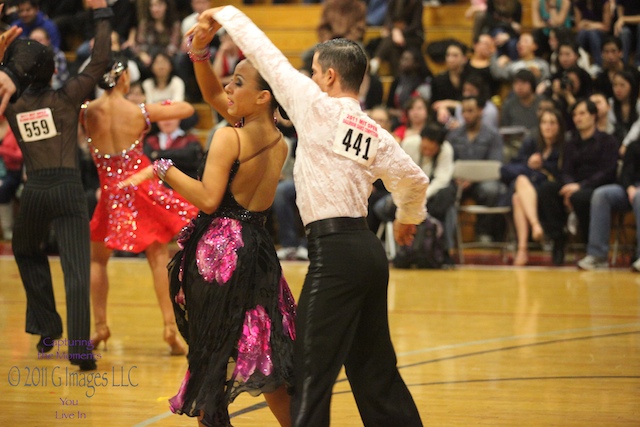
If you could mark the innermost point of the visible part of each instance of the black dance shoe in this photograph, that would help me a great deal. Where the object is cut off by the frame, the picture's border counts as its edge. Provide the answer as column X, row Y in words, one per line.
column 42, row 347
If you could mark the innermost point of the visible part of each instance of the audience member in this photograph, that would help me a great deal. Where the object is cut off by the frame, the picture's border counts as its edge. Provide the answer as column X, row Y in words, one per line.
column 226, row 58
column 612, row 63
column 30, row 17
column 484, row 51
column 447, row 86
column 184, row 66
column 520, row 109
column 434, row 155
column 10, row 176
column 476, row 11
column 503, row 22
column 171, row 142
column 625, row 105
column 602, row 118
column 593, row 23
column 403, row 29
column 164, row 83
column 474, row 85
column 572, row 85
column 414, row 120
column 560, row 34
column 413, row 79
column 504, row 68
column 158, row 32
column 475, row 141
column 371, row 91
column 626, row 27
column 589, row 161
column 60, row 60
column 622, row 196
column 376, row 11
column 546, row 14
column 65, row 14
column 538, row 161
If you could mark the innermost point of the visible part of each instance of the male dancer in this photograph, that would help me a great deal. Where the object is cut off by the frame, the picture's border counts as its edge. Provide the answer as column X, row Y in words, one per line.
column 342, row 311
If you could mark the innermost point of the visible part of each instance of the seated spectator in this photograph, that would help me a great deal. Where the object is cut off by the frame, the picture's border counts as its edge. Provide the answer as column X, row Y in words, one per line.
column 558, row 35
column 10, row 176
column 602, row 119
column 520, row 108
column 158, row 32
column 413, row 79
column 415, row 118
column 547, row 14
column 504, row 68
column 593, row 23
column 164, row 83
column 626, row 27
column 538, row 161
column 226, row 58
column 339, row 19
column 30, row 17
column 475, row 141
column 612, row 63
column 484, row 50
column 403, row 29
column 447, row 86
column 619, row 197
column 573, row 84
column 60, row 60
column 476, row 11
column 589, row 160
column 474, row 85
column 503, row 22
column 173, row 143
column 568, row 58
column 625, row 105
column 434, row 155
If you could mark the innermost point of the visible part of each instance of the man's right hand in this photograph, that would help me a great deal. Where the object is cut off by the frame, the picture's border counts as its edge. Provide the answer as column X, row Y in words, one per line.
column 404, row 233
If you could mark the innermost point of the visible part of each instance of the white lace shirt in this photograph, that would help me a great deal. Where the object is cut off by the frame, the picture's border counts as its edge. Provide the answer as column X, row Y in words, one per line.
column 341, row 151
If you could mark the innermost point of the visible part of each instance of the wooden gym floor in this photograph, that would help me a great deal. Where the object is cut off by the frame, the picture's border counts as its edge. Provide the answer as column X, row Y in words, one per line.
column 478, row 346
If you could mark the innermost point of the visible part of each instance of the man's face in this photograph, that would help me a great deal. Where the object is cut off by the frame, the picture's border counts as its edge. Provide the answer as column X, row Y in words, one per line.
column 582, row 118
column 522, row 89
column 317, row 74
column 611, row 54
column 27, row 13
column 471, row 112
column 601, row 104
column 168, row 126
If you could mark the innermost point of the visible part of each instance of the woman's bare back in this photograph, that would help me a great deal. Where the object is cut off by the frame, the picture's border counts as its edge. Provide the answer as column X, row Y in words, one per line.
column 114, row 123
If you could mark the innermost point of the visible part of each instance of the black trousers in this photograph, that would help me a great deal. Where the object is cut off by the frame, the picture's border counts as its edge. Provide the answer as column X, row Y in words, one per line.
column 342, row 320
column 553, row 214
column 55, row 197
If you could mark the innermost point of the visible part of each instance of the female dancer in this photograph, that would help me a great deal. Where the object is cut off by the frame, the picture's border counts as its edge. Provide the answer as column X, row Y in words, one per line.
column 145, row 218
column 542, row 158
column 227, row 281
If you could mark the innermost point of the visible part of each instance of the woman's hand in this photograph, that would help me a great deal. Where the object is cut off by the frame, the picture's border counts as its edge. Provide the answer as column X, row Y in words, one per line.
column 135, row 179
column 206, row 28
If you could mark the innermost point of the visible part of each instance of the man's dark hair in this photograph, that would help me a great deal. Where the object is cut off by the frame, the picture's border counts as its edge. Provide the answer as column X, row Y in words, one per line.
column 480, row 102
column 526, row 76
column 612, row 40
column 591, row 106
column 347, row 58
column 434, row 132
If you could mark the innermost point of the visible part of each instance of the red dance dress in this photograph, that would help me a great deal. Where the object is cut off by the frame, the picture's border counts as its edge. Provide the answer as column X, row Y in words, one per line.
column 132, row 218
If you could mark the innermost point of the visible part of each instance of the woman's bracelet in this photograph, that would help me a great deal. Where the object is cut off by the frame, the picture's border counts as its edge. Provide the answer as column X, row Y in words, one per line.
column 160, row 167
column 197, row 55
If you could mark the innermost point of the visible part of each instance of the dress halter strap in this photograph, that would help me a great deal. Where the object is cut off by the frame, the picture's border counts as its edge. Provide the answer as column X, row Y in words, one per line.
column 263, row 149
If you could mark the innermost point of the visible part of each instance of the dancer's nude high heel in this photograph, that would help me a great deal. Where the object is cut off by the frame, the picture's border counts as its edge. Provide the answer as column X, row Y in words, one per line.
column 102, row 333
column 171, row 337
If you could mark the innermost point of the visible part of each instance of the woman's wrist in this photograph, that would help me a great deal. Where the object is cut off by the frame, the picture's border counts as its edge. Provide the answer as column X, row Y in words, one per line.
column 195, row 54
column 160, row 168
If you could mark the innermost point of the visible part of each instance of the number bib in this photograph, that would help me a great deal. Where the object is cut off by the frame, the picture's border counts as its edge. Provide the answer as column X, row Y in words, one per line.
column 356, row 139
column 36, row 125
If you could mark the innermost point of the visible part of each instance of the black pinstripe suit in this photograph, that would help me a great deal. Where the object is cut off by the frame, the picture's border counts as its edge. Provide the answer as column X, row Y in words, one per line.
column 45, row 123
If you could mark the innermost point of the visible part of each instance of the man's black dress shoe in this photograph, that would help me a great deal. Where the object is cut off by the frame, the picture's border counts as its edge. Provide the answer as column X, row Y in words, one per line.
column 557, row 253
